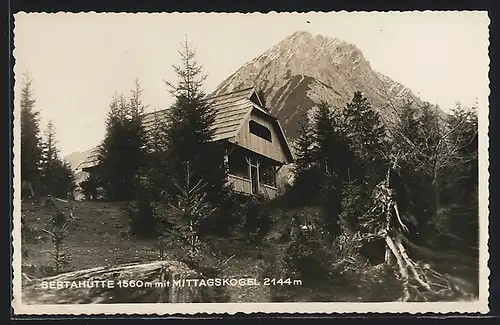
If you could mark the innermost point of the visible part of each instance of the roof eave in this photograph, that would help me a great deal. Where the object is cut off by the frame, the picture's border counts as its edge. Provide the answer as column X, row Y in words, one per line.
column 287, row 145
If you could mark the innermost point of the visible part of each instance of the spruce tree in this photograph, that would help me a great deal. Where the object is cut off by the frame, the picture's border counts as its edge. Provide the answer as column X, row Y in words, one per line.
column 368, row 138
column 122, row 153
column 335, row 161
column 111, row 153
column 50, row 152
column 307, row 178
column 57, row 175
column 31, row 152
column 190, row 132
column 302, row 147
column 157, row 156
column 136, row 134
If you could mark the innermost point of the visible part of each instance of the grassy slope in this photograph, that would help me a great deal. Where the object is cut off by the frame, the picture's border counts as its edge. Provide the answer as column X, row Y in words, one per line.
column 99, row 237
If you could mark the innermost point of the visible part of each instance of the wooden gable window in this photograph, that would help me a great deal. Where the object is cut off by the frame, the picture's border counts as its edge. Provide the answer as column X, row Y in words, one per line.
column 260, row 130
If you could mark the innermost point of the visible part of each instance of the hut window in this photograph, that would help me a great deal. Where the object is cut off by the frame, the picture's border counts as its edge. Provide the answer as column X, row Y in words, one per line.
column 238, row 166
column 260, row 130
column 267, row 175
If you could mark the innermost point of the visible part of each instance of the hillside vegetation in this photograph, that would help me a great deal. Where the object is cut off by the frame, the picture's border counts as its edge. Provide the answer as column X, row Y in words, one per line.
column 99, row 236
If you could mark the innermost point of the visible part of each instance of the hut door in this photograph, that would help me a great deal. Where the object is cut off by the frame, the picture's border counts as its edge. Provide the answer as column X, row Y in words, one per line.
column 254, row 174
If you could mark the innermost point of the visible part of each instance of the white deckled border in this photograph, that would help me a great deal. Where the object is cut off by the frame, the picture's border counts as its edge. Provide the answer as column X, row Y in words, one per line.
column 478, row 306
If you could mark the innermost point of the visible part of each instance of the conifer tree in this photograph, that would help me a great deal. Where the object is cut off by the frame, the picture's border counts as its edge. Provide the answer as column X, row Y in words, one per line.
column 368, row 137
column 335, row 159
column 50, row 152
column 302, row 147
column 122, row 152
column 323, row 163
column 306, row 173
column 57, row 175
column 136, row 134
column 111, row 153
column 190, row 132
column 31, row 153
column 157, row 156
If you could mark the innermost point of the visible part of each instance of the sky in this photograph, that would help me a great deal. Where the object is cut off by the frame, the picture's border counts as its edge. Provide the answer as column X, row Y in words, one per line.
column 78, row 61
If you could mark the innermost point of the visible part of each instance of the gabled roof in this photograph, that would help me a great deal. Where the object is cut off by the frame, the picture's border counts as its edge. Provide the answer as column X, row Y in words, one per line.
column 91, row 160
column 232, row 109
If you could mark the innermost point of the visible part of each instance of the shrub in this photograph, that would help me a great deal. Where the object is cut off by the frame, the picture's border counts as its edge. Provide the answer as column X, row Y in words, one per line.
column 145, row 214
column 370, row 282
column 257, row 218
column 142, row 215
column 308, row 253
column 28, row 235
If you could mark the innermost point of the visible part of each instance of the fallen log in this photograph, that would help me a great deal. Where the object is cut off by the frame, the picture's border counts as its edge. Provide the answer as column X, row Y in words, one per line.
column 155, row 282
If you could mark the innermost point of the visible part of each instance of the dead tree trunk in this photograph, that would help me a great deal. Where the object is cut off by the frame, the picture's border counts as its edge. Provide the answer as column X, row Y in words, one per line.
column 420, row 282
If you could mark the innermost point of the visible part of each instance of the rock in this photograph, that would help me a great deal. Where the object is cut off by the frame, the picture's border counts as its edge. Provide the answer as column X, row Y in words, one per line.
column 128, row 283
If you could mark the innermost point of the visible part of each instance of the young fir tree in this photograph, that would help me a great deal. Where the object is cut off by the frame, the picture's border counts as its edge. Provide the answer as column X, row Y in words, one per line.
column 190, row 134
column 57, row 175
column 122, row 152
column 31, row 152
column 188, row 212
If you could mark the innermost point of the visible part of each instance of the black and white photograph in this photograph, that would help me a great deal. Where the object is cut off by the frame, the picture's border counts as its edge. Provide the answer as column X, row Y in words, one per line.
column 183, row 163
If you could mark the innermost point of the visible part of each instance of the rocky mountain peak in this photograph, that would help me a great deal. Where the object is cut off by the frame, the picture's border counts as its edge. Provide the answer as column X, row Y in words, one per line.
column 303, row 69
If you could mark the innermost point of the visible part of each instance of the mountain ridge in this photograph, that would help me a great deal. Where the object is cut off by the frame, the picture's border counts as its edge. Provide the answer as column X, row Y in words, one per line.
column 302, row 70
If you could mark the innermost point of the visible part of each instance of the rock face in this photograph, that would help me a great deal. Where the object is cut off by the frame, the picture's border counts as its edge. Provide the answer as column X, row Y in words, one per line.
column 303, row 69
column 130, row 283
